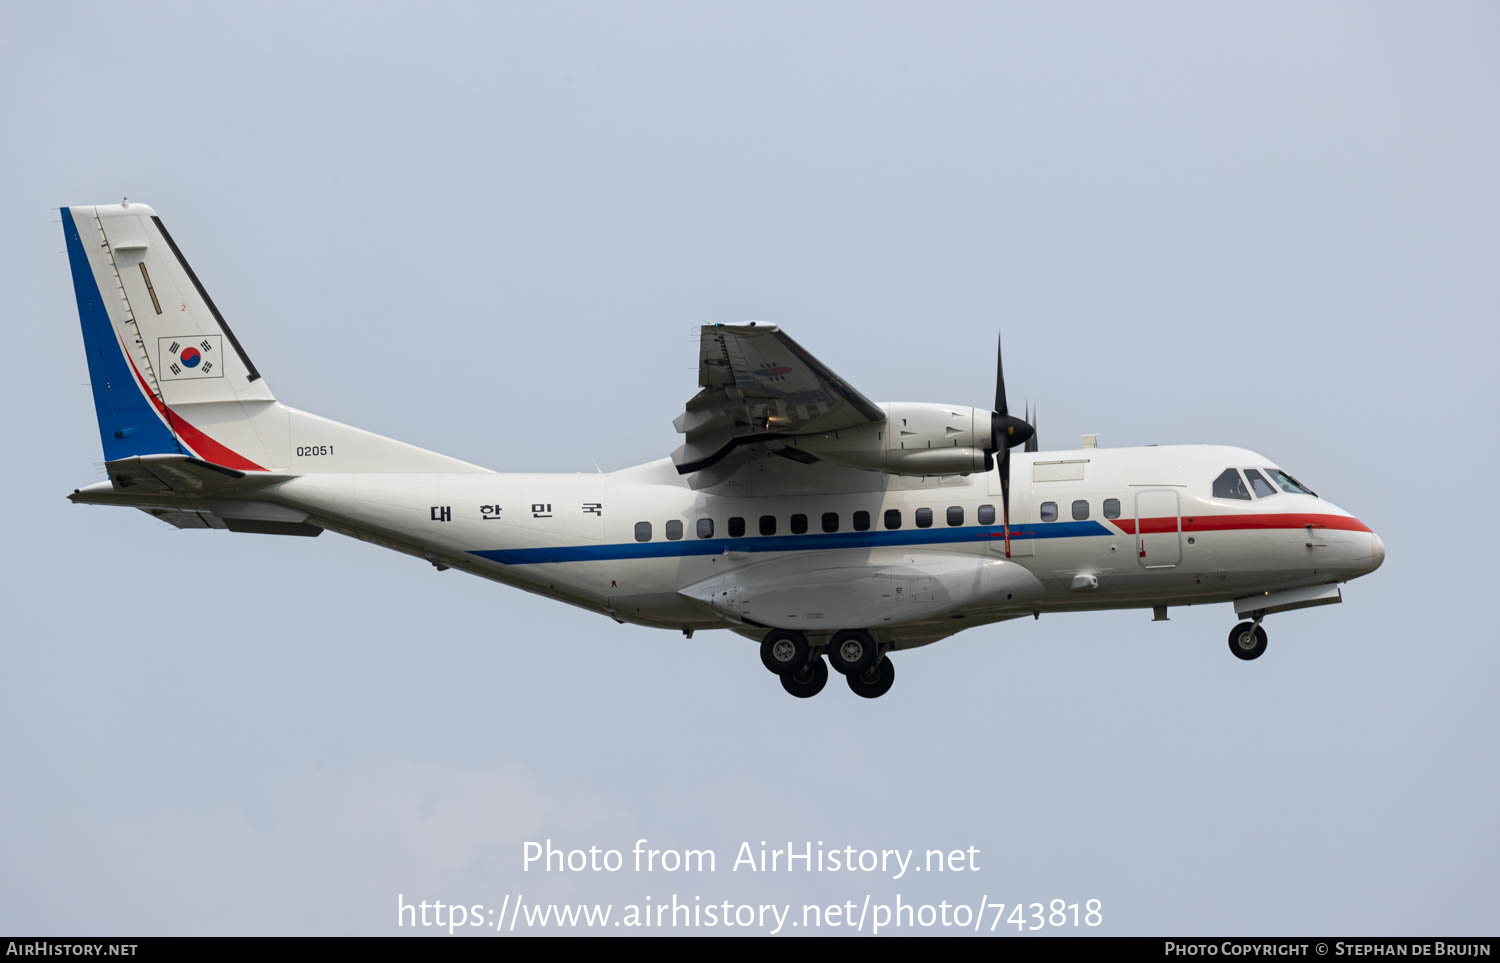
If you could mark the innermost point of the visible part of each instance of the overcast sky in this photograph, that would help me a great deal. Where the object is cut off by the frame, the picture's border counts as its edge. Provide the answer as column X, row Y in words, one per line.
column 492, row 230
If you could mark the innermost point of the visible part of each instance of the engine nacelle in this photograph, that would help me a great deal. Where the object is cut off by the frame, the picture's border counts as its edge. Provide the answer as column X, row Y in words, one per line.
column 915, row 439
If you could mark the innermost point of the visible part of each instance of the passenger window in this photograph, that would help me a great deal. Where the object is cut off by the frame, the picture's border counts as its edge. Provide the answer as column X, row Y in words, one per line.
column 736, row 527
column 1080, row 510
column 861, row 521
column 643, row 531
column 1111, row 508
column 1258, row 483
column 924, row 518
column 705, row 528
column 1229, row 484
column 768, row 524
column 674, row 530
column 986, row 514
column 799, row 524
column 830, row 521
column 893, row 518
column 1049, row 511
column 955, row 515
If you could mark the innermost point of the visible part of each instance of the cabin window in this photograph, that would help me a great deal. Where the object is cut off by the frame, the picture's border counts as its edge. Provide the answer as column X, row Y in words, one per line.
column 1111, row 508
column 861, row 521
column 1049, row 511
column 768, row 524
column 830, row 521
column 1229, row 484
column 799, row 524
column 893, row 518
column 674, row 530
column 986, row 514
column 1080, row 510
column 736, row 527
column 705, row 528
column 924, row 518
column 1289, row 484
column 1258, row 483
column 643, row 531
column 955, row 514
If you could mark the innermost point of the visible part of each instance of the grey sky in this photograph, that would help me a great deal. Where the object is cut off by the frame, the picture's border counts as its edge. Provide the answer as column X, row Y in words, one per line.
column 491, row 230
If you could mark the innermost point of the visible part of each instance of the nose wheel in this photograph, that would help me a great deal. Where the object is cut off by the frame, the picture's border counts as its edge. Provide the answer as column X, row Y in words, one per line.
column 1247, row 641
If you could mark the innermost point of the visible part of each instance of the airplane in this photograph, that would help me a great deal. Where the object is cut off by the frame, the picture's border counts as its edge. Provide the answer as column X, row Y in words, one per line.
column 797, row 513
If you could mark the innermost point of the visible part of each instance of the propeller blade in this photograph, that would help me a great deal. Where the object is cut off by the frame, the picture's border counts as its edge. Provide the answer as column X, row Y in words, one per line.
column 1031, row 443
column 1000, row 406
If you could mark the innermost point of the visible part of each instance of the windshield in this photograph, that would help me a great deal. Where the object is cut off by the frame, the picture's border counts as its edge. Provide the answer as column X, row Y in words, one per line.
column 1288, row 483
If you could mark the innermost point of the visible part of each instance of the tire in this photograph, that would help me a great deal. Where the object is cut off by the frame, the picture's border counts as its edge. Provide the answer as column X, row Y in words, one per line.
column 852, row 651
column 1247, row 641
column 875, row 681
column 783, row 651
column 807, row 681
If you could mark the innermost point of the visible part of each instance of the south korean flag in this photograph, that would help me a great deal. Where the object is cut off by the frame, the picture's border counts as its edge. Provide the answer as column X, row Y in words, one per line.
column 191, row 356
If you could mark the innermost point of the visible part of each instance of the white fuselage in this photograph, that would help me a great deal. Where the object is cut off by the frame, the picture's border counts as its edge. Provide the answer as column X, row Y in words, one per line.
column 917, row 558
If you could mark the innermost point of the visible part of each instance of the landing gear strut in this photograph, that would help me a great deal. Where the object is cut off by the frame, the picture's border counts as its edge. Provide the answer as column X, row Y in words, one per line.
column 1247, row 640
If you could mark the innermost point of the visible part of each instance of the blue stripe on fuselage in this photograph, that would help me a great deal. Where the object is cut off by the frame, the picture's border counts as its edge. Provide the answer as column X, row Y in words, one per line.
column 788, row 543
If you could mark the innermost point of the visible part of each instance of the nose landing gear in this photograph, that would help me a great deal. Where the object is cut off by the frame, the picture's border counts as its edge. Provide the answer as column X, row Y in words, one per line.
column 1247, row 640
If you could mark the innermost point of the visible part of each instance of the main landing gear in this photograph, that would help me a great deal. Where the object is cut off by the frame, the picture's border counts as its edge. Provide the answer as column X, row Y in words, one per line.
column 853, row 653
column 1247, row 640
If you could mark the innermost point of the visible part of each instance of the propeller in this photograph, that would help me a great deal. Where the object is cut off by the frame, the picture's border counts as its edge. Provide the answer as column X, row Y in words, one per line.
column 1006, row 432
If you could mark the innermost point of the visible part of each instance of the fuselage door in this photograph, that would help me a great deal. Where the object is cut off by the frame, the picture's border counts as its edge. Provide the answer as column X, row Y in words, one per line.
column 1158, row 528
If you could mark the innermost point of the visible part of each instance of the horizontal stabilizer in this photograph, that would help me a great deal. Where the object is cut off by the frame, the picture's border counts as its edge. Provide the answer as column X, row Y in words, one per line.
column 184, row 474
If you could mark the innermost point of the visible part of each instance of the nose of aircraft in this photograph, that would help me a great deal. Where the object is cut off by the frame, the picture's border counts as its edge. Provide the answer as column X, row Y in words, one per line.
column 1377, row 552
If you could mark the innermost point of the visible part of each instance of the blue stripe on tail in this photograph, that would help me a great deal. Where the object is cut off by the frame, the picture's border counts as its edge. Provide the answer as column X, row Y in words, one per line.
column 127, row 423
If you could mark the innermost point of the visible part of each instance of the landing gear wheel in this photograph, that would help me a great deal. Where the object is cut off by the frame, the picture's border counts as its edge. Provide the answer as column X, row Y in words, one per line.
column 852, row 651
column 1247, row 641
column 875, row 681
column 784, row 650
column 807, row 681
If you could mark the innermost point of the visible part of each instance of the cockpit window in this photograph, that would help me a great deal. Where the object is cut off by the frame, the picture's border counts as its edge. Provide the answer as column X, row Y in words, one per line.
column 1258, row 483
column 1289, row 484
column 1230, row 485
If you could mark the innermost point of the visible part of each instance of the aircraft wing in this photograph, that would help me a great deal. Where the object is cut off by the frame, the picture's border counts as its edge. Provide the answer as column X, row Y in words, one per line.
column 757, row 386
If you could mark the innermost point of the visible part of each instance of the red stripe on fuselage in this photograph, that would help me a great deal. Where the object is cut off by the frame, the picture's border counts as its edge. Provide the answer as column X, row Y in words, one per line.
column 1238, row 523
column 206, row 447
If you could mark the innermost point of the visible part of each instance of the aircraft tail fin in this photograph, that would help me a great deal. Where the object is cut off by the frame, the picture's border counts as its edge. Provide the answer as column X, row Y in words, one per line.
column 170, row 377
